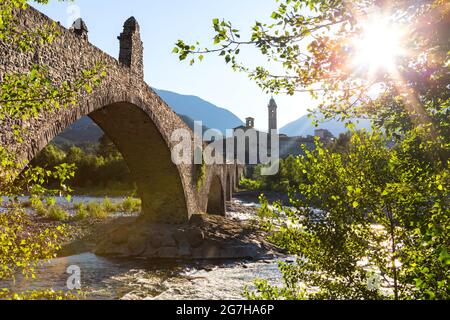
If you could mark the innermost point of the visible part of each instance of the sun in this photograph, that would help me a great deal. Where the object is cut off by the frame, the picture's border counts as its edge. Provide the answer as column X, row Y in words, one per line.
column 378, row 46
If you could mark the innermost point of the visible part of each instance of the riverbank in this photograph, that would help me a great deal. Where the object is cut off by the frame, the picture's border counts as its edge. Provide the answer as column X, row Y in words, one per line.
column 112, row 227
column 204, row 237
column 233, row 236
column 236, row 253
column 137, row 277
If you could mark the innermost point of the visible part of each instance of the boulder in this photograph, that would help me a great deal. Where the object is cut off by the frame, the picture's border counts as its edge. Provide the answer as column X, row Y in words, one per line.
column 167, row 252
column 195, row 237
column 137, row 245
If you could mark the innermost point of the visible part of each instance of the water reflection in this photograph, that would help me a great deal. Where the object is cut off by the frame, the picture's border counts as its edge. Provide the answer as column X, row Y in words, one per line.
column 103, row 278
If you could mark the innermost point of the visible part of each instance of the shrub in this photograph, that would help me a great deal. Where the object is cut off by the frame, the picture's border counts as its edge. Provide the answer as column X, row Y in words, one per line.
column 96, row 211
column 109, row 206
column 131, row 205
column 57, row 213
column 252, row 185
column 81, row 213
column 40, row 210
column 50, row 201
column 78, row 205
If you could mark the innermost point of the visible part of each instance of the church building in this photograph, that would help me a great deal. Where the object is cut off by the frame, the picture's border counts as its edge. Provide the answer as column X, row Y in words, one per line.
column 287, row 145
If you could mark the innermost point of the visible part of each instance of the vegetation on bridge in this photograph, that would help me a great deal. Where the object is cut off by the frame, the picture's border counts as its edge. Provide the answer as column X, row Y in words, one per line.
column 24, row 97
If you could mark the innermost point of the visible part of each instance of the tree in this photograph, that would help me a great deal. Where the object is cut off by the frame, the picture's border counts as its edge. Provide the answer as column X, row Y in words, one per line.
column 50, row 157
column 23, row 97
column 364, row 213
column 107, row 148
column 315, row 43
column 396, row 176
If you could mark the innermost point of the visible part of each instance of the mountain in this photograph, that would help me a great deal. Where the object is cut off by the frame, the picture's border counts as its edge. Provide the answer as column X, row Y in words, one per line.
column 189, row 108
column 84, row 130
column 190, row 122
column 198, row 109
column 304, row 126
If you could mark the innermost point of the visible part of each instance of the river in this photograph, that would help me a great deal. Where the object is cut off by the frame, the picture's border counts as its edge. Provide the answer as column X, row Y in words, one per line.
column 105, row 278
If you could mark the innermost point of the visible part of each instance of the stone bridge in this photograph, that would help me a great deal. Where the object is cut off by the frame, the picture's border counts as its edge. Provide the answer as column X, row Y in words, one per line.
column 136, row 119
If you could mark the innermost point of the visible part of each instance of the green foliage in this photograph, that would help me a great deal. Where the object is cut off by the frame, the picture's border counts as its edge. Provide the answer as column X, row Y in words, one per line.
column 23, row 244
column 57, row 213
column 6, row 294
column 372, row 208
column 200, row 174
column 131, row 205
column 281, row 181
column 23, row 97
column 310, row 46
column 81, row 213
column 108, row 205
column 290, row 290
column 96, row 211
column 373, row 202
column 41, row 210
column 51, row 156
column 249, row 184
column 33, row 180
column 78, row 205
column 94, row 171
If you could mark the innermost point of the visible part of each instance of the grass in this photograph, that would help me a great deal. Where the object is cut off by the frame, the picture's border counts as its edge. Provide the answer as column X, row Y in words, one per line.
column 131, row 205
column 250, row 185
column 96, row 211
column 81, row 213
column 53, row 212
column 57, row 213
column 108, row 206
column 50, row 210
column 40, row 209
column 78, row 205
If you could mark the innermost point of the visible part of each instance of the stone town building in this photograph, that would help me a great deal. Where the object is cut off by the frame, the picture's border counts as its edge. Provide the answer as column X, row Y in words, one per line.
column 287, row 145
column 324, row 134
column 273, row 125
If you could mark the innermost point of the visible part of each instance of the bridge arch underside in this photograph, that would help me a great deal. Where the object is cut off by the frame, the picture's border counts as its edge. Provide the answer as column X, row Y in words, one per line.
column 145, row 151
column 216, row 202
column 149, row 159
column 229, row 188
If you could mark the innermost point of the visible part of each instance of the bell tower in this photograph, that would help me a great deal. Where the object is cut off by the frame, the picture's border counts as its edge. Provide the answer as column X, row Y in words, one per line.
column 131, row 47
column 272, row 115
column 80, row 28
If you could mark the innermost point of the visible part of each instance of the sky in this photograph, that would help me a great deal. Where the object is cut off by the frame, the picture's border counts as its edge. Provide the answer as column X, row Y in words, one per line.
column 162, row 24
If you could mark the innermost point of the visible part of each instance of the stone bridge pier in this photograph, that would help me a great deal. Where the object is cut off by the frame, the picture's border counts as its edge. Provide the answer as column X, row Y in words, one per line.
column 136, row 119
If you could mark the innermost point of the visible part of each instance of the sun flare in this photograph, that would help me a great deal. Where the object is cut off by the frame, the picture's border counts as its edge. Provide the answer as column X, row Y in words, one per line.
column 378, row 47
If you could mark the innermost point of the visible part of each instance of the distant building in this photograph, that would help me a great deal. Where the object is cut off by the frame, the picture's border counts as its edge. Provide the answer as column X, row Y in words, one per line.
column 287, row 145
column 324, row 135
column 293, row 145
column 273, row 125
column 249, row 124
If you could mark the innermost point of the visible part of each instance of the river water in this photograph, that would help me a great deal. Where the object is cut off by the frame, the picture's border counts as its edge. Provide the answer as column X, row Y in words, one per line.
column 104, row 278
